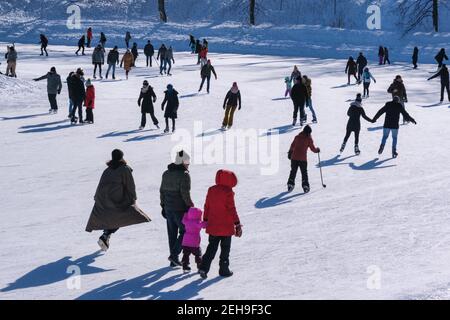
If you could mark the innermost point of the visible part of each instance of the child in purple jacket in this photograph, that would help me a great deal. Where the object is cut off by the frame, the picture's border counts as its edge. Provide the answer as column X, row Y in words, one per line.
column 193, row 224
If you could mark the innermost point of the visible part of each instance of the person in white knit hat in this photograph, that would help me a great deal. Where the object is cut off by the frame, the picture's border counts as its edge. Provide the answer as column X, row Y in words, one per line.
column 175, row 195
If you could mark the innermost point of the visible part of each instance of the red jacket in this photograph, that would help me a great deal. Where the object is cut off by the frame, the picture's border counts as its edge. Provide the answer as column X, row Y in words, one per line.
column 89, row 101
column 300, row 145
column 204, row 53
column 89, row 34
column 220, row 211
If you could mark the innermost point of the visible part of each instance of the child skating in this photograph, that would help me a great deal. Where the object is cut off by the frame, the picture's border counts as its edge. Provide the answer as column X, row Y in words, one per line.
column 89, row 101
column 288, row 83
column 193, row 225
column 366, row 78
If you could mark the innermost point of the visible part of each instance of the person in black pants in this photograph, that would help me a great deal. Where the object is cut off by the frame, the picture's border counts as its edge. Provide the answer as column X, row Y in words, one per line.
column 355, row 112
column 146, row 99
column 361, row 62
column 79, row 93
column 386, row 56
column 81, row 45
column 298, row 96
column 445, row 82
column 415, row 57
column 149, row 51
column 44, row 43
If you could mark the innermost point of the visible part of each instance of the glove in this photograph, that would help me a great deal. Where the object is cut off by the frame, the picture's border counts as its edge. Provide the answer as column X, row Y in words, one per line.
column 289, row 155
column 239, row 108
column 238, row 232
column 318, row 150
column 413, row 121
column 154, row 100
column 163, row 213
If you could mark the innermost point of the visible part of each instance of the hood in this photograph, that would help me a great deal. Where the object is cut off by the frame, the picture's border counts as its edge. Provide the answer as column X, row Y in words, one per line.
column 174, row 167
column 194, row 214
column 356, row 104
column 226, row 178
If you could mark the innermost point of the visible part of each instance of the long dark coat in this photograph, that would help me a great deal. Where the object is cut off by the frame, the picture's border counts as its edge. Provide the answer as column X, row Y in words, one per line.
column 171, row 98
column 115, row 201
column 145, row 100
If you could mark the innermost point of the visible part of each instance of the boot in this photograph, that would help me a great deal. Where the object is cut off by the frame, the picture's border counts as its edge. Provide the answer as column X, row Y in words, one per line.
column 294, row 121
column 103, row 242
column 166, row 130
column 357, row 151
column 394, row 153
column 380, row 151
column 224, row 271
column 342, row 147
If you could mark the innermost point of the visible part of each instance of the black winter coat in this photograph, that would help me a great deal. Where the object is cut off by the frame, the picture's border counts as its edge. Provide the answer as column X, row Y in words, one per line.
column 299, row 93
column 443, row 72
column 351, row 67
column 393, row 111
column 77, row 89
column 149, row 50
column 232, row 99
column 355, row 112
column 361, row 62
column 175, row 190
column 145, row 100
column 171, row 98
column 441, row 56
column 206, row 71
column 82, row 41
column 113, row 57
column 398, row 89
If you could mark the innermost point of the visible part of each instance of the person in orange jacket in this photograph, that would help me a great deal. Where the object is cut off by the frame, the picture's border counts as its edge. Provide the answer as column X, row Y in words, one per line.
column 297, row 154
column 222, row 222
column 89, row 101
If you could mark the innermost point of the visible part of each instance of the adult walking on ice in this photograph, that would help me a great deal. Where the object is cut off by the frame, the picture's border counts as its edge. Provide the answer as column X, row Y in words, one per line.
column 78, row 95
column 149, row 51
column 54, row 86
column 205, row 74
column 127, row 39
column 380, row 55
column 354, row 113
column 127, row 62
column 89, row 36
column 308, row 85
column 415, row 57
column 115, row 200
column 44, row 43
column 392, row 109
column 351, row 69
column 361, row 62
column 11, row 61
column 366, row 79
column 112, row 60
column 298, row 156
column 298, row 96
column 146, row 99
column 397, row 89
column 175, row 200
column 81, row 45
column 169, row 60
column 230, row 104
column 162, row 58
column 386, row 56
column 103, row 39
column 98, row 59
column 445, row 81
column 171, row 99
column 135, row 52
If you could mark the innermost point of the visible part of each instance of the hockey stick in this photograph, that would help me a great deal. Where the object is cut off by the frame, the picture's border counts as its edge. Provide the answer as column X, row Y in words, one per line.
column 320, row 167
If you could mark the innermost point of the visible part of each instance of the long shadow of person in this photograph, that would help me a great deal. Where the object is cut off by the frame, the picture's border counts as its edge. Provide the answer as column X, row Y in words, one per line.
column 372, row 164
column 149, row 286
column 24, row 117
column 277, row 200
column 54, row 272
column 335, row 161
column 280, row 130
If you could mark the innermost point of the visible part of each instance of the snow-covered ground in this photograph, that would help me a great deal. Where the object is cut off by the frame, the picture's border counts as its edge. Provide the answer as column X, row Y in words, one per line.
column 376, row 214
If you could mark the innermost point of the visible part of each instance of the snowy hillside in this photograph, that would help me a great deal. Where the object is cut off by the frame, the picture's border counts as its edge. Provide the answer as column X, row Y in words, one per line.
column 377, row 213
column 307, row 28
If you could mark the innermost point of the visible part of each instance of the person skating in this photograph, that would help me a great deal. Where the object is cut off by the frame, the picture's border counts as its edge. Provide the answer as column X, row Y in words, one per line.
column 98, row 59
column 288, row 84
column 11, row 62
column 367, row 77
column 127, row 39
column 298, row 156
column 103, row 40
column 443, row 73
column 223, row 223
column 415, row 57
column 230, row 104
column 149, row 51
column 169, row 59
column 112, row 60
column 354, row 113
column 361, row 63
column 386, row 56
column 392, row 109
column 69, row 91
column 205, row 43
column 203, row 56
column 298, row 97
column 81, row 42
column 198, row 49
column 127, row 62
column 171, row 99
column 308, row 101
column 115, row 201
column 44, row 43
column 351, row 69
column 295, row 74
column 78, row 95
column 193, row 224
column 54, row 86
column 192, row 43
column 380, row 55
column 161, row 56
column 146, row 99
column 89, row 36
column 175, row 200
column 135, row 52
column 205, row 74
column 440, row 57
column 397, row 88
column 89, row 101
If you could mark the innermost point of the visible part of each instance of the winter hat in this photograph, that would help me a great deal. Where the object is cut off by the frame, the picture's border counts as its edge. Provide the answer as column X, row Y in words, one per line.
column 88, row 83
column 366, row 69
column 116, row 47
column 80, row 72
column 182, row 157
column 169, row 87
column 307, row 130
column 358, row 97
column 53, row 69
column 145, row 83
column 117, row 155
column 396, row 99
column 398, row 77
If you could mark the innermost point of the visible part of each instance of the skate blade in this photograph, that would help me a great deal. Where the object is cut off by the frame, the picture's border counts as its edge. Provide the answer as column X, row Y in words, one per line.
column 102, row 245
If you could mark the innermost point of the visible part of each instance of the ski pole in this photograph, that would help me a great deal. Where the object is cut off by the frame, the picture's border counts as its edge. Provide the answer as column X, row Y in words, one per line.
column 156, row 61
column 320, row 167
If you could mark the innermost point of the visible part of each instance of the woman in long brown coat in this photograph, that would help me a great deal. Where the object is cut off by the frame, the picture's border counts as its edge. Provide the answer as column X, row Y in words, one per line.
column 115, row 201
column 127, row 62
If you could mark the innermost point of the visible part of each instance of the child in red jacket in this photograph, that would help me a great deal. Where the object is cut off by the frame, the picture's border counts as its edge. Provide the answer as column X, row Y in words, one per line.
column 89, row 101
column 297, row 155
column 223, row 222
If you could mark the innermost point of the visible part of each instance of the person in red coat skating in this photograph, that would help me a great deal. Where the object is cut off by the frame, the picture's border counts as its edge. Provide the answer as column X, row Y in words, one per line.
column 297, row 154
column 223, row 222
column 89, row 37
column 89, row 101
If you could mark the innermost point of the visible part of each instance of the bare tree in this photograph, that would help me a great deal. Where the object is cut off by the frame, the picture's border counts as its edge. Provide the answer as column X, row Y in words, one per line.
column 417, row 12
column 252, row 12
column 162, row 10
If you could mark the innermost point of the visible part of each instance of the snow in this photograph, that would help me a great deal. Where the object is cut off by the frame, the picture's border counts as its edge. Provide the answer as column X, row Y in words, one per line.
column 376, row 212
